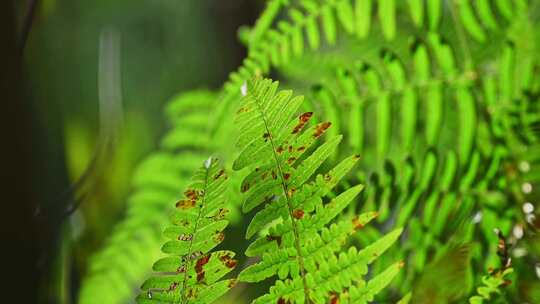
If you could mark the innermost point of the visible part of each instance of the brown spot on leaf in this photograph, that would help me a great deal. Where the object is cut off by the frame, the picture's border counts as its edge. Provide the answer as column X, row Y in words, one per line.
column 245, row 187
column 200, row 276
column 228, row 261
column 286, row 176
column 357, row 224
column 192, row 194
column 219, row 237
column 321, row 128
column 302, row 120
column 290, row 148
column 356, row 156
column 257, row 169
column 291, row 160
column 300, row 149
column 181, row 269
column 201, row 262
column 279, row 149
column 173, row 286
column 274, row 176
column 225, row 257
column 334, row 298
column 185, row 237
column 185, row 204
column 266, row 136
column 298, row 214
column 241, row 110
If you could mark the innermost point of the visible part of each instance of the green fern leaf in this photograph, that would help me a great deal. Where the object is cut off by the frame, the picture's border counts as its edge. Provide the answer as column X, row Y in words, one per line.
column 190, row 274
column 273, row 142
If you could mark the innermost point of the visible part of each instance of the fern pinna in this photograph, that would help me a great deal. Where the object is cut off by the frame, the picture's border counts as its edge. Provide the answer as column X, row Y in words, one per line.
column 190, row 273
column 300, row 246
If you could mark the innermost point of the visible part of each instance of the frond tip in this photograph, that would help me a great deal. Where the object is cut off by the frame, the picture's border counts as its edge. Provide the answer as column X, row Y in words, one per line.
column 190, row 273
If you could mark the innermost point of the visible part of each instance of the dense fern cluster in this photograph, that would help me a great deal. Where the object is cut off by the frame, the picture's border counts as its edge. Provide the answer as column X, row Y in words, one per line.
column 440, row 99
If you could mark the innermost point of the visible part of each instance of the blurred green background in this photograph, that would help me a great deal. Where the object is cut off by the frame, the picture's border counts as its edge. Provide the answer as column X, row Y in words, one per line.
column 159, row 49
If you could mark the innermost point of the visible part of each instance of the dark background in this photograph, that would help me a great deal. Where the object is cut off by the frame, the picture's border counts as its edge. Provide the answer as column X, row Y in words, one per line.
column 49, row 67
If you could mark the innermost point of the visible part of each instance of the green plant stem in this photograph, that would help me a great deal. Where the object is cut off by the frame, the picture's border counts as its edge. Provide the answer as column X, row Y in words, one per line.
column 184, row 283
column 299, row 256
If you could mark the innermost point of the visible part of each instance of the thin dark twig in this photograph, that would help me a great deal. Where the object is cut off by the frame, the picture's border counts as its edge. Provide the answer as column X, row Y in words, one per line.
column 27, row 25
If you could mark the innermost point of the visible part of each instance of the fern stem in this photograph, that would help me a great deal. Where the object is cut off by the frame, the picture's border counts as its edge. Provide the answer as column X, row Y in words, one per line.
column 189, row 253
column 299, row 256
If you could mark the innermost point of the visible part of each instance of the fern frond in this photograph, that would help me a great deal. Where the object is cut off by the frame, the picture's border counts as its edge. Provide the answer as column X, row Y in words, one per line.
column 190, row 273
column 491, row 285
column 128, row 254
column 273, row 142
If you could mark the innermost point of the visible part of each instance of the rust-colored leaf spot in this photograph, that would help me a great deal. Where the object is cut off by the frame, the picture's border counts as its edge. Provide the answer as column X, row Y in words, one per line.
column 327, row 177
column 286, row 176
column 245, row 187
column 225, row 257
column 271, row 238
column 201, row 262
column 290, row 148
column 291, row 160
column 298, row 214
column 266, row 136
column 220, row 173
column 191, row 194
column 173, row 286
column 185, row 237
column 219, row 237
column 357, row 224
column 274, row 176
column 302, row 120
column 185, row 204
column 507, row 283
column 300, row 149
column 200, row 276
column 181, row 269
column 230, row 263
column 321, row 128
column 279, row 149
column 281, row 301
column 334, row 298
